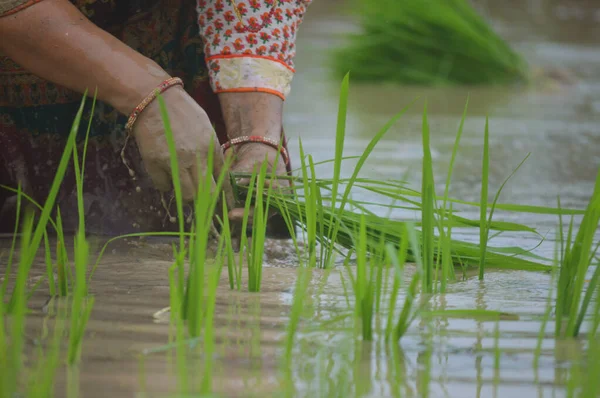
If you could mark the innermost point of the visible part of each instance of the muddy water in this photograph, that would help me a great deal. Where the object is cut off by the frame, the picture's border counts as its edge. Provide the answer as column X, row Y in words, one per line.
column 557, row 122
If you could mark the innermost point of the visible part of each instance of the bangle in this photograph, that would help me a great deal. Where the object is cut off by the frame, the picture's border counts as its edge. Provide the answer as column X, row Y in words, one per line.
column 262, row 140
column 164, row 86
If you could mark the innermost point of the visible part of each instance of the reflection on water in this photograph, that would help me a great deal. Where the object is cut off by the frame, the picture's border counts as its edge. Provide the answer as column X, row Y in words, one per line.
column 123, row 351
column 126, row 351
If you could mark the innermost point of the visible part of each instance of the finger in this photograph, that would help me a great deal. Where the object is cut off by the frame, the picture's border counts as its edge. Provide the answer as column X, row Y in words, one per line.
column 159, row 177
column 188, row 188
column 237, row 215
column 219, row 167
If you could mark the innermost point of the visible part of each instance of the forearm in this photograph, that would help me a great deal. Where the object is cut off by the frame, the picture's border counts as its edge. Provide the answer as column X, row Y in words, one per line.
column 53, row 40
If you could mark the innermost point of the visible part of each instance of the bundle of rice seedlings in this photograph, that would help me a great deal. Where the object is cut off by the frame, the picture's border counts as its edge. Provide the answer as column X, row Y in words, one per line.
column 427, row 42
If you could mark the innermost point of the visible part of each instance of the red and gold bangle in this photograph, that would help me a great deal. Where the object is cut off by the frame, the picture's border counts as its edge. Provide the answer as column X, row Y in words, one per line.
column 258, row 139
column 164, row 86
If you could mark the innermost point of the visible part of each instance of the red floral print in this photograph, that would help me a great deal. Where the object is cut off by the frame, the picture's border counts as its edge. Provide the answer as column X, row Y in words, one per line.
column 267, row 30
column 238, row 45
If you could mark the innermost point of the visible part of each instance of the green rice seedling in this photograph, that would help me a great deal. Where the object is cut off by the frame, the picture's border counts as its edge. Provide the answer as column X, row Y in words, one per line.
column 48, row 361
column 340, row 137
column 177, row 320
column 483, row 238
column 4, row 351
column 427, row 42
column 177, row 189
column 49, row 266
column 81, row 308
column 368, row 284
column 245, row 223
column 62, row 261
column 59, row 285
column 29, row 254
column 591, row 386
column 547, row 314
column 398, row 260
column 409, row 311
column 347, row 223
column 259, row 228
column 334, row 213
column 205, row 206
column 12, row 246
column 302, row 283
column 576, row 258
column 235, row 277
column 209, row 333
column 364, row 284
column 313, row 205
column 12, row 343
column 12, row 354
column 445, row 240
column 427, row 212
column 485, row 222
column 73, row 385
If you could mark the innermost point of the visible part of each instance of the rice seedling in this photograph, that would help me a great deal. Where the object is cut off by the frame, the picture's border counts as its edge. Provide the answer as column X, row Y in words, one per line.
column 427, row 212
column 396, row 330
column 547, row 314
column 577, row 256
column 49, row 266
column 313, row 200
column 483, row 230
column 180, row 254
column 11, row 251
column 364, row 285
column 12, row 343
column 176, row 318
column 34, row 241
column 62, row 261
column 48, row 361
column 81, row 308
column 446, row 235
column 302, row 282
column 259, row 227
column 340, row 136
column 427, row 42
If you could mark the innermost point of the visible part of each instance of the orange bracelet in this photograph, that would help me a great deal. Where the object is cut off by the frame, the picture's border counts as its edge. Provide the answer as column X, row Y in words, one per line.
column 164, row 86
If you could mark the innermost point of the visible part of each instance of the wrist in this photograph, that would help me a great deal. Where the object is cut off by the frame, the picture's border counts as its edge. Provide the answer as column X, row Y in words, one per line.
column 149, row 107
column 126, row 96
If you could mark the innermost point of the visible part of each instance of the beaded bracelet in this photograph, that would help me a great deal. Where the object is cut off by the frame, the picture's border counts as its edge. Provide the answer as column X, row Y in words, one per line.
column 173, row 81
column 259, row 139
column 164, row 86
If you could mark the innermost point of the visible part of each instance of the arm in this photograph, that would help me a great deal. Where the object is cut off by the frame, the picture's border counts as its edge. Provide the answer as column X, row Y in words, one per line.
column 53, row 40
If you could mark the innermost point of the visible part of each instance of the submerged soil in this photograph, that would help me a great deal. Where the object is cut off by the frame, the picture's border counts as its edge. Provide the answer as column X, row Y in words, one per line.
column 559, row 122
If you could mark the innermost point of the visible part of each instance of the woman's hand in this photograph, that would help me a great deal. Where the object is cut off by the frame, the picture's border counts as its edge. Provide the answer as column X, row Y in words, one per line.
column 193, row 135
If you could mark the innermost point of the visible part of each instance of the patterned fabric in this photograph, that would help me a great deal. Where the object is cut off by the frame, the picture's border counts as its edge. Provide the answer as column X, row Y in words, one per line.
column 36, row 116
column 251, row 49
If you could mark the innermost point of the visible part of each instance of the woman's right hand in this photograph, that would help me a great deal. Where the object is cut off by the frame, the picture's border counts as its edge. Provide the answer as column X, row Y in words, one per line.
column 192, row 133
